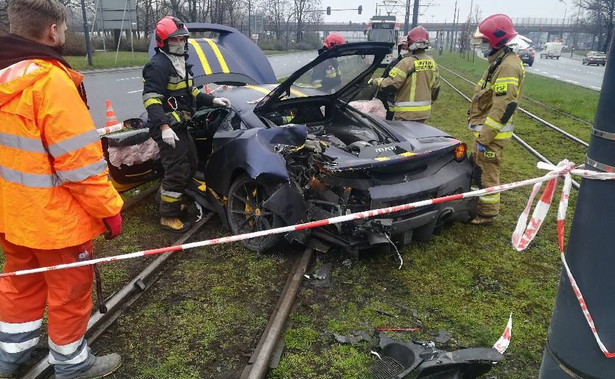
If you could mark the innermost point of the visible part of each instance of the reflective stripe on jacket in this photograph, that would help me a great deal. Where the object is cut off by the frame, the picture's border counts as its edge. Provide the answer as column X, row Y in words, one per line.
column 416, row 82
column 492, row 108
column 54, row 185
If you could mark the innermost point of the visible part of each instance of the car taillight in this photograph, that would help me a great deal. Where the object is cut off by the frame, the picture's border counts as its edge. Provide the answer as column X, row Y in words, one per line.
column 460, row 152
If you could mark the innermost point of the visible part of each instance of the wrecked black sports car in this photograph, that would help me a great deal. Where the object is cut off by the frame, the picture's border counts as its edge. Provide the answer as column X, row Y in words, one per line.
column 297, row 151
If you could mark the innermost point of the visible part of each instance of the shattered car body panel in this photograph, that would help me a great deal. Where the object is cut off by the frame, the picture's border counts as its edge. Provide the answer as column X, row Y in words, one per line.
column 297, row 152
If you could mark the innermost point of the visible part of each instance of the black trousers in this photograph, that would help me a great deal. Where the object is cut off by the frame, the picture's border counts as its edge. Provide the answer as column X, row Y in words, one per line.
column 179, row 164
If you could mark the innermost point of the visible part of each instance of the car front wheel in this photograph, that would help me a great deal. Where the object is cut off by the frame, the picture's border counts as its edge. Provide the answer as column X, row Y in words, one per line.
column 245, row 213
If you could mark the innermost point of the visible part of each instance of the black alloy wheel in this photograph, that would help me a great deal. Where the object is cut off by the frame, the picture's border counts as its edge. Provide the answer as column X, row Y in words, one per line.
column 245, row 213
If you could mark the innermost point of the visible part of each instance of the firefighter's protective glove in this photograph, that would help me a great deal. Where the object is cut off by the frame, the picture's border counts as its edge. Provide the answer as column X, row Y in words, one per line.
column 222, row 102
column 481, row 148
column 114, row 226
column 169, row 137
column 370, row 81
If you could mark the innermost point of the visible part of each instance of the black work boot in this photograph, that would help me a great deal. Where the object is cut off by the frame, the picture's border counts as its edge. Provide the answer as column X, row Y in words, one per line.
column 102, row 366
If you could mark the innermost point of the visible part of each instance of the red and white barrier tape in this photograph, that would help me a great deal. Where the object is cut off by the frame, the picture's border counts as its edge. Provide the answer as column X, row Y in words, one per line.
column 502, row 344
column 525, row 232
column 522, row 236
column 110, row 129
column 291, row 228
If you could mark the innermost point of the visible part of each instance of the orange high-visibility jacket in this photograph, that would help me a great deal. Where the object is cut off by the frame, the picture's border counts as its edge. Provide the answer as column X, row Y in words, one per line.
column 54, row 185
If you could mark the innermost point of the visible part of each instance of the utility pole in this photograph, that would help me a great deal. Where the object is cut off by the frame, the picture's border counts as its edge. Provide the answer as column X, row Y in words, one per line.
column 572, row 350
column 415, row 14
column 88, row 49
column 455, row 27
column 453, row 31
column 407, row 18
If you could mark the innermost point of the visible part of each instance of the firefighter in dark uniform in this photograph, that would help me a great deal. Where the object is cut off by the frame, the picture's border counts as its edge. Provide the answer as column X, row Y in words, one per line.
column 170, row 100
column 327, row 75
column 495, row 100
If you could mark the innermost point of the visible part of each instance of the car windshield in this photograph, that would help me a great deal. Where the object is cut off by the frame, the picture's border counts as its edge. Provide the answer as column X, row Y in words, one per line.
column 333, row 74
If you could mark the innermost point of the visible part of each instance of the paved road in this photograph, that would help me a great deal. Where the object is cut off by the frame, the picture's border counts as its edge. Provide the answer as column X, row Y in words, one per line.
column 124, row 87
column 569, row 70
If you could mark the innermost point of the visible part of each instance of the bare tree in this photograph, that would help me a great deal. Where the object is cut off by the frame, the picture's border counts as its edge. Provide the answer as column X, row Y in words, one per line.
column 276, row 12
column 602, row 12
column 302, row 8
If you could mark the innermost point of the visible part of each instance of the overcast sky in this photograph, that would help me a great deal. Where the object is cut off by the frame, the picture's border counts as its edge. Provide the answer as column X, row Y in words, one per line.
column 442, row 10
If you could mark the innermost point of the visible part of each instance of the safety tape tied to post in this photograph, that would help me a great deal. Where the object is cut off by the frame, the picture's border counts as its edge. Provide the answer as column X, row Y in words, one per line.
column 110, row 129
column 526, row 231
column 522, row 236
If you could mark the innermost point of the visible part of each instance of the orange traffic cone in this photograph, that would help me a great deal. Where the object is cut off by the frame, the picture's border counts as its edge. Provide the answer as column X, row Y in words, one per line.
column 207, row 90
column 111, row 119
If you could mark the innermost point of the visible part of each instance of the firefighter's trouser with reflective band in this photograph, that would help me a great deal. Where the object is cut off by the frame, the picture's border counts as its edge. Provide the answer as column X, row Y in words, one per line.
column 68, row 295
column 487, row 174
column 179, row 164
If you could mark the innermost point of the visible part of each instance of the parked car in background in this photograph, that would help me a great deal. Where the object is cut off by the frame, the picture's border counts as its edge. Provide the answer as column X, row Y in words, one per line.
column 527, row 56
column 595, row 57
column 551, row 50
column 292, row 152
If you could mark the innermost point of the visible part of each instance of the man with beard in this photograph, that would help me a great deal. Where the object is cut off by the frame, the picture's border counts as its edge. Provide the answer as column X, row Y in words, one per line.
column 55, row 195
column 170, row 100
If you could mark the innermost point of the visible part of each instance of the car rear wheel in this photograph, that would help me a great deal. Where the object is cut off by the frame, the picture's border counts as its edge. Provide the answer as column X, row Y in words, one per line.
column 245, row 213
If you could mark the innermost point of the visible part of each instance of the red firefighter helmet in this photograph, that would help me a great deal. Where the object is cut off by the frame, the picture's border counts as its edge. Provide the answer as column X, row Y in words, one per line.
column 498, row 29
column 170, row 26
column 334, row 39
column 418, row 38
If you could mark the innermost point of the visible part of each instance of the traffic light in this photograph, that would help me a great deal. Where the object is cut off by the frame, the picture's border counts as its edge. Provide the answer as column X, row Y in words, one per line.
column 360, row 9
column 328, row 10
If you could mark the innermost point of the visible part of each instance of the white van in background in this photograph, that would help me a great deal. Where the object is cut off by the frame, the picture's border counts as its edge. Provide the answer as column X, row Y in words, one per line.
column 551, row 50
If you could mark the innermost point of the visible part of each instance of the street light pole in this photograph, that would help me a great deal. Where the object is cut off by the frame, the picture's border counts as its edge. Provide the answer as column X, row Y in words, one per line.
column 415, row 14
column 453, row 30
column 407, row 18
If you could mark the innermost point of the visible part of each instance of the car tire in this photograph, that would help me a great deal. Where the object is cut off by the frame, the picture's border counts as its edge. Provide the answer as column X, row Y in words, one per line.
column 530, row 64
column 245, row 213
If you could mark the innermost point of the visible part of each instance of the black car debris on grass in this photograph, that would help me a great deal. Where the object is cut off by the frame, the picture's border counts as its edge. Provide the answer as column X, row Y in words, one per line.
column 294, row 152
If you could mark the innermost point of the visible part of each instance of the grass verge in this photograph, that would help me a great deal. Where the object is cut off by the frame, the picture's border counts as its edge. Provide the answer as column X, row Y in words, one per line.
column 106, row 59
